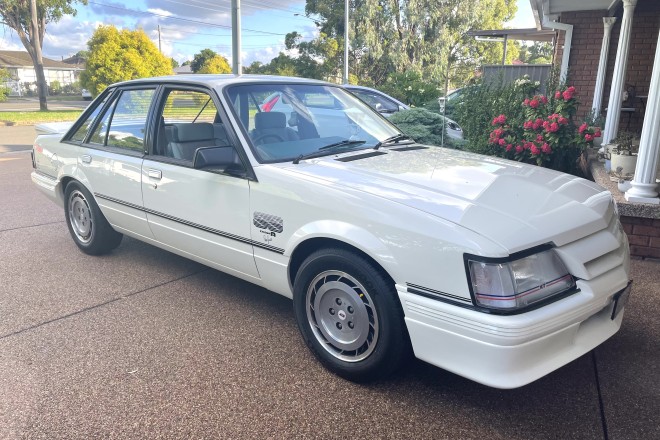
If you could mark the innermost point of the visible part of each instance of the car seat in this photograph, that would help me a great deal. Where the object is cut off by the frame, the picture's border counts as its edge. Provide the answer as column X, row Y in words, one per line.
column 270, row 127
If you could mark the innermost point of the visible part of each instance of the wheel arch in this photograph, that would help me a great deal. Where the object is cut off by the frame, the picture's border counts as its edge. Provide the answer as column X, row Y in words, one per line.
column 378, row 255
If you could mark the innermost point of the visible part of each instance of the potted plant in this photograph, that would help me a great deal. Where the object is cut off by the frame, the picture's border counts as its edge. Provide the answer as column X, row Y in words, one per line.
column 623, row 180
column 623, row 154
column 595, row 119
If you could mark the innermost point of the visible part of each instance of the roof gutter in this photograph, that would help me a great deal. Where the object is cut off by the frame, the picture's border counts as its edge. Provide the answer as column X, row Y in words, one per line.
column 543, row 21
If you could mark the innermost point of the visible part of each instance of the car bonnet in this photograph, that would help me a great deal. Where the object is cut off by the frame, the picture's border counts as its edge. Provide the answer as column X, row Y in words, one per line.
column 514, row 204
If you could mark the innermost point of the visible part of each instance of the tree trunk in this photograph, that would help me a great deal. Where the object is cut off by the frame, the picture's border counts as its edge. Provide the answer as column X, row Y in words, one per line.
column 42, row 86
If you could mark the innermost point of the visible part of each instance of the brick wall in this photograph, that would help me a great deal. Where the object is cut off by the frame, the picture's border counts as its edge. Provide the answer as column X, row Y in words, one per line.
column 643, row 235
column 585, row 54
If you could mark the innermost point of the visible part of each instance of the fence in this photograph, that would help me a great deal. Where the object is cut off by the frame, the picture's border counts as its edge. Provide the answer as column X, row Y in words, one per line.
column 509, row 73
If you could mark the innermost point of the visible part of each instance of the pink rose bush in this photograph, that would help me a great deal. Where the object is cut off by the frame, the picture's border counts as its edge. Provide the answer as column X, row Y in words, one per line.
column 548, row 133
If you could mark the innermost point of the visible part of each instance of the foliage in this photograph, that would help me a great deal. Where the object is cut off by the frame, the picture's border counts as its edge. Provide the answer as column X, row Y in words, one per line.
column 16, row 14
column 282, row 65
column 217, row 64
column 210, row 62
column 479, row 102
column 116, row 55
column 546, row 135
column 4, row 91
column 422, row 125
column 174, row 62
column 55, row 88
column 72, row 89
column 428, row 37
column 411, row 88
column 624, row 143
column 595, row 118
column 537, row 53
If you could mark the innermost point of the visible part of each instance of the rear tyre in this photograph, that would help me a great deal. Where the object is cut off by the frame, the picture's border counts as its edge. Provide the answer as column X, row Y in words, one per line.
column 88, row 227
column 349, row 315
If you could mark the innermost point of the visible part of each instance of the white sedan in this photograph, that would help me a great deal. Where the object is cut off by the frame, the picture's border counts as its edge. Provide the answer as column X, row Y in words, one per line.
column 495, row 270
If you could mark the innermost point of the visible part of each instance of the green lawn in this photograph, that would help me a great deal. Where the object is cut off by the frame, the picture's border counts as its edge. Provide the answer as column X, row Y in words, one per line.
column 36, row 117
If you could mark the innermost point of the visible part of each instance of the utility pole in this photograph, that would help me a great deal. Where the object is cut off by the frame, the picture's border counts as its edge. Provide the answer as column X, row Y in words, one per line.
column 159, row 49
column 236, row 37
column 345, row 41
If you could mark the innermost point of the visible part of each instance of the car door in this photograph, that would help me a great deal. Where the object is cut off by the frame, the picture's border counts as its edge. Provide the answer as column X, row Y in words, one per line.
column 112, row 145
column 200, row 213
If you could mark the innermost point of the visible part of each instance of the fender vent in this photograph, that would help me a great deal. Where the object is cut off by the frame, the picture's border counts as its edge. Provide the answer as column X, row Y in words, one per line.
column 409, row 148
column 360, row 156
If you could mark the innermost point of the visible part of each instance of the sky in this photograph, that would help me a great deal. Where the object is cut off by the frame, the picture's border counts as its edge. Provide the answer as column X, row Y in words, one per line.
column 188, row 26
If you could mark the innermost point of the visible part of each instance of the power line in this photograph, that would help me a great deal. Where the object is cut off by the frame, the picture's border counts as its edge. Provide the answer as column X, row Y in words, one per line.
column 213, row 35
column 189, row 20
column 226, row 8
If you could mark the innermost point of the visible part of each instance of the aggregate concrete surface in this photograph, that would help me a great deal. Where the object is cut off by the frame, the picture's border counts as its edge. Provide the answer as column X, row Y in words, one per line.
column 142, row 343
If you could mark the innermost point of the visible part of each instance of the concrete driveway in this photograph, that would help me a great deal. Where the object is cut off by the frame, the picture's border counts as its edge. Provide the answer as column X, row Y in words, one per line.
column 144, row 344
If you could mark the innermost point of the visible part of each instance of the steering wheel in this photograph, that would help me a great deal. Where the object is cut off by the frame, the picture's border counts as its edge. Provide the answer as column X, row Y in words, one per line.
column 260, row 139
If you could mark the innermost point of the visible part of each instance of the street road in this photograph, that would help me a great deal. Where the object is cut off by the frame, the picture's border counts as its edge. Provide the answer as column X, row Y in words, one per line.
column 25, row 104
column 145, row 344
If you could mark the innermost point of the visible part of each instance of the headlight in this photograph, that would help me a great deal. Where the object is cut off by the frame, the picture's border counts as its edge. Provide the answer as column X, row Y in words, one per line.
column 519, row 283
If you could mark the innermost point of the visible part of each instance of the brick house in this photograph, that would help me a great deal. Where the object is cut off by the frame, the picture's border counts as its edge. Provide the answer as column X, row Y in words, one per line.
column 609, row 50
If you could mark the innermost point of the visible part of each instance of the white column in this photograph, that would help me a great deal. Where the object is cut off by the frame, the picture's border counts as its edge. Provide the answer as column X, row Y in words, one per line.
column 608, row 22
column 619, row 76
column 644, row 188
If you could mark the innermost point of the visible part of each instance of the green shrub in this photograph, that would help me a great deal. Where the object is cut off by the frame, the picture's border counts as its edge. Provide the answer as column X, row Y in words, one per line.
column 411, row 88
column 55, row 88
column 479, row 104
column 4, row 91
column 423, row 126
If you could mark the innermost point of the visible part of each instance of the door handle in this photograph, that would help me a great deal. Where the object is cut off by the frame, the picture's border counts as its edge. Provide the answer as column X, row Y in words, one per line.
column 155, row 174
column 86, row 158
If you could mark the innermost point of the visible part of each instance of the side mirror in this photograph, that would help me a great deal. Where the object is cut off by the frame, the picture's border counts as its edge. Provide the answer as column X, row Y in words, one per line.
column 222, row 160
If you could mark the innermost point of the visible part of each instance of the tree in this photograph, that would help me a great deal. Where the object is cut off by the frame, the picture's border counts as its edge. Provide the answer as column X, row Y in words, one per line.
column 217, row 64
column 200, row 59
column 116, row 55
column 538, row 53
column 174, row 62
column 424, row 36
column 28, row 18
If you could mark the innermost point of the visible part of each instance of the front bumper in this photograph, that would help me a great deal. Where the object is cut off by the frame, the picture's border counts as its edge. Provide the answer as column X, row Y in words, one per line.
column 512, row 351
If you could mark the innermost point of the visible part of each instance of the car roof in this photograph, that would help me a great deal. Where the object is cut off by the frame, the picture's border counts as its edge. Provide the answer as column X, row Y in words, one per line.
column 369, row 89
column 221, row 80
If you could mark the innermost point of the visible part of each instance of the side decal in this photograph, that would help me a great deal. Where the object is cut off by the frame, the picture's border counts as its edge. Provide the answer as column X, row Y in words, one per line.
column 268, row 222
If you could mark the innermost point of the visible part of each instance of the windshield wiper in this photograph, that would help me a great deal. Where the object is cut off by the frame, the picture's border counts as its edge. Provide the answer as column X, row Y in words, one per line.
column 396, row 139
column 327, row 149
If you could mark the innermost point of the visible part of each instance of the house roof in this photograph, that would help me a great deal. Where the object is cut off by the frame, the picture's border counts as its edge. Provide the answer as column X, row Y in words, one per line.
column 553, row 8
column 15, row 58
column 182, row 70
column 516, row 34
column 76, row 61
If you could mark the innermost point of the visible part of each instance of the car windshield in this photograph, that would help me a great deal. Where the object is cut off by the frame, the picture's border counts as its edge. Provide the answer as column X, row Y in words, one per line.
column 286, row 121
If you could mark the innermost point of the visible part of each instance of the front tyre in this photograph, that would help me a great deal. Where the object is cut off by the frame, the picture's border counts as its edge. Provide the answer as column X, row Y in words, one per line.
column 88, row 227
column 349, row 315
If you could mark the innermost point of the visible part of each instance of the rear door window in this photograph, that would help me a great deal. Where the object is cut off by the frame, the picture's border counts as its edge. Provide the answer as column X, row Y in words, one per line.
column 123, row 125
